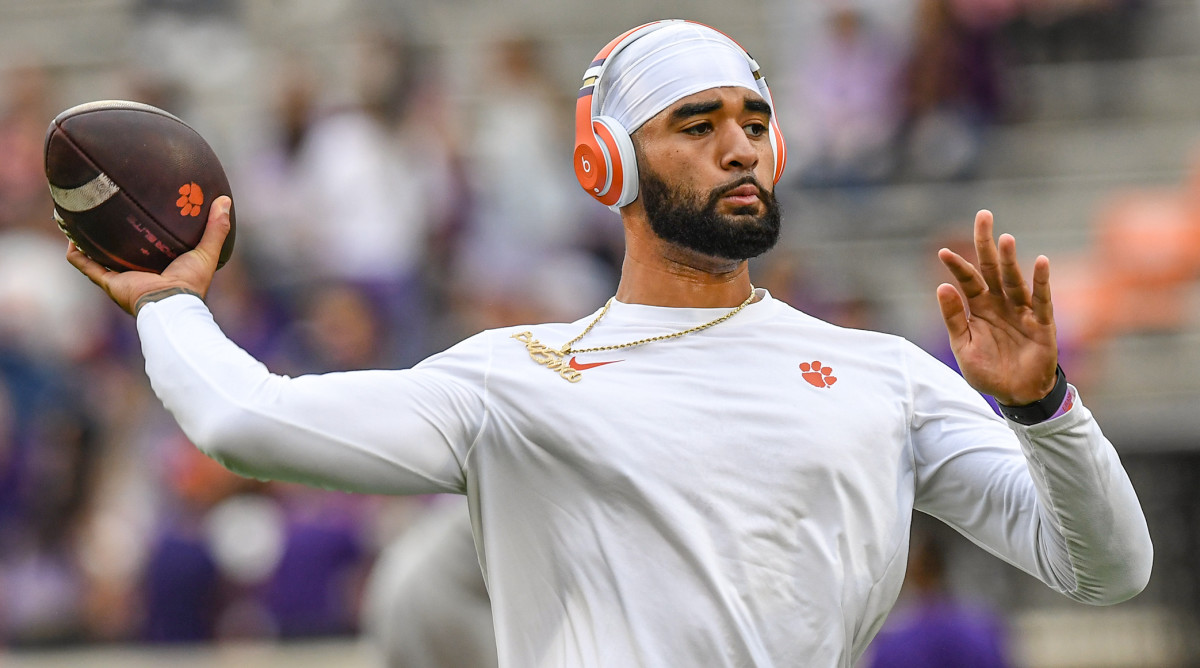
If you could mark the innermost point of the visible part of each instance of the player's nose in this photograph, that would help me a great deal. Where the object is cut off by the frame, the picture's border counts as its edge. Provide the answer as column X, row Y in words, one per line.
column 738, row 150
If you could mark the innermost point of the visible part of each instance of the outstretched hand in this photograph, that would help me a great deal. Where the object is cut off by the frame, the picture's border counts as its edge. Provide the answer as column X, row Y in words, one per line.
column 1001, row 331
column 190, row 273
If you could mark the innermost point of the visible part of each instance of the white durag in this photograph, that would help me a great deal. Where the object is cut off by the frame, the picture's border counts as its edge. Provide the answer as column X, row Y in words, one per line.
column 662, row 67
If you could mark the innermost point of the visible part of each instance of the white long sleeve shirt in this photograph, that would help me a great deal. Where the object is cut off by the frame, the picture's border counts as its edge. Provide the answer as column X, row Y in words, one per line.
column 693, row 502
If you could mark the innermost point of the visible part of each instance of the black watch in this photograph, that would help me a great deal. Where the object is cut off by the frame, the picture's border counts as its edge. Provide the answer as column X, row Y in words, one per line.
column 1039, row 411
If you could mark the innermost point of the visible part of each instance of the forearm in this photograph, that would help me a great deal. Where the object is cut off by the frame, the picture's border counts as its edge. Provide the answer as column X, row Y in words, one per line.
column 1087, row 499
column 340, row 431
column 1052, row 498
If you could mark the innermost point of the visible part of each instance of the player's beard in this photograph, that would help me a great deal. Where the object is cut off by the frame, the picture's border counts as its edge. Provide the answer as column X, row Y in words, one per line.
column 687, row 218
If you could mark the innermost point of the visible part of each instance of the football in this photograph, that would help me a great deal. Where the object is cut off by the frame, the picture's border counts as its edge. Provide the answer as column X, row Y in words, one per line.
column 132, row 184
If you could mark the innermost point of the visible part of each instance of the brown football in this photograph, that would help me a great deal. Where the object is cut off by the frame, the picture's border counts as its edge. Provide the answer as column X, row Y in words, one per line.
column 132, row 184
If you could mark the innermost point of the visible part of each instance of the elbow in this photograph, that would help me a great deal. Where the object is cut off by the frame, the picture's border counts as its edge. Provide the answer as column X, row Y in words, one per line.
column 1125, row 577
column 225, row 435
column 1137, row 574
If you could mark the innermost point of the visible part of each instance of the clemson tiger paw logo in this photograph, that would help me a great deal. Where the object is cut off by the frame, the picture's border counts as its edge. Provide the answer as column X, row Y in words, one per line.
column 817, row 375
column 190, row 199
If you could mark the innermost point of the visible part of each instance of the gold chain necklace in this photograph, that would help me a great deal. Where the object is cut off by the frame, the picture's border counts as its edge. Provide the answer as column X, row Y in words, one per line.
column 555, row 359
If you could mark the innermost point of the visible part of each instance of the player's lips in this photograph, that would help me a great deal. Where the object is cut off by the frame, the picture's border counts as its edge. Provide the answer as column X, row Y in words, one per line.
column 743, row 195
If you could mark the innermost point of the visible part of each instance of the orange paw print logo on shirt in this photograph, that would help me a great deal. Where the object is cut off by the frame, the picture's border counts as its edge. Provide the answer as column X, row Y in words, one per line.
column 817, row 375
column 190, row 199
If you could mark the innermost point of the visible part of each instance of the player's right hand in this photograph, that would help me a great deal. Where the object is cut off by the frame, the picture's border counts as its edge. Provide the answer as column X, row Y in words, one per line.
column 190, row 273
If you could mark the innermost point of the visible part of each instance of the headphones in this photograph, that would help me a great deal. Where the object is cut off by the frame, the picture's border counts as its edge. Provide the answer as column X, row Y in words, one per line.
column 605, row 163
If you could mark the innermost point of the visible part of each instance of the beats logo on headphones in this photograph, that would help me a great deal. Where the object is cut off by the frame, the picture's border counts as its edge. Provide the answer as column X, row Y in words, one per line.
column 605, row 162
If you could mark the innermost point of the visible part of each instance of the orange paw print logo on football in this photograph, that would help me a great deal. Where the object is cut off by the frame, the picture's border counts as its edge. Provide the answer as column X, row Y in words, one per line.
column 817, row 375
column 190, row 199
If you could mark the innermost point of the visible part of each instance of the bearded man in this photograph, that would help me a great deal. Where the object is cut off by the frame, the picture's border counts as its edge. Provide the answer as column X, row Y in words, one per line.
column 696, row 474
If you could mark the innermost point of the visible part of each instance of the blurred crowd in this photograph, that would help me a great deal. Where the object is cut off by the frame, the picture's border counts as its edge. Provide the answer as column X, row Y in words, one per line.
column 372, row 232
column 872, row 102
column 367, row 238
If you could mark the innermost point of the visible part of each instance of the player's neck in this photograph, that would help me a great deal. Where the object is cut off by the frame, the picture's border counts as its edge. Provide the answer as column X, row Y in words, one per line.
column 657, row 273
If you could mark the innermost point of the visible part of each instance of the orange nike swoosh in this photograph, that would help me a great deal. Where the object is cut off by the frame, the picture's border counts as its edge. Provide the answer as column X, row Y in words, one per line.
column 579, row 366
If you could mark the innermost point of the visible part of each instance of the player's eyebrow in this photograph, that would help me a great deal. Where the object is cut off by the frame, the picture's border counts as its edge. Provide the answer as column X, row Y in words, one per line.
column 686, row 111
column 758, row 106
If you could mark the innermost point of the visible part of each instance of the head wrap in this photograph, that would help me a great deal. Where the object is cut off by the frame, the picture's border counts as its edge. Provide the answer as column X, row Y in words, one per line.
column 667, row 65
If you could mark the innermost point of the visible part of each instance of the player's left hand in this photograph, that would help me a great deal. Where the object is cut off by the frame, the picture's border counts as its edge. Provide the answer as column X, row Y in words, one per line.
column 1001, row 331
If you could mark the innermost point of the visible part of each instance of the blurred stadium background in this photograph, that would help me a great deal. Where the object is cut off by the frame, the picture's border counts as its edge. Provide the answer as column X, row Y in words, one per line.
column 401, row 177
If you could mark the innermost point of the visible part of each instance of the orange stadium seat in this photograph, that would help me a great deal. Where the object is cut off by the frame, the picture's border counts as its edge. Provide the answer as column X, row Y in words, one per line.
column 1146, row 260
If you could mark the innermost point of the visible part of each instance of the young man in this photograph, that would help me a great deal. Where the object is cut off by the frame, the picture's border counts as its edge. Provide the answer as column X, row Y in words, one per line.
column 697, row 474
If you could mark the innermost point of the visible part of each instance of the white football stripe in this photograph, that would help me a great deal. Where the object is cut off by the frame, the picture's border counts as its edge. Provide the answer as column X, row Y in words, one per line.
column 87, row 196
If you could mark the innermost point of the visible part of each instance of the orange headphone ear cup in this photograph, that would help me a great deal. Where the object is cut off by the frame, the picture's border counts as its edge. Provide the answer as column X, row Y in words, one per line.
column 604, row 162
column 591, row 167
column 589, row 161
column 622, row 162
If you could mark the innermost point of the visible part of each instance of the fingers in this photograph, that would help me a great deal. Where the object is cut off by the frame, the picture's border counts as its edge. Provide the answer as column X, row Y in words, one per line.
column 954, row 312
column 970, row 281
column 198, row 265
column 95, row 272
column 998, row 275
column 215, row 231
column 998, row 272
column 194, row 269
column 1043, row 309
column 985, row 251
column 1010, row 272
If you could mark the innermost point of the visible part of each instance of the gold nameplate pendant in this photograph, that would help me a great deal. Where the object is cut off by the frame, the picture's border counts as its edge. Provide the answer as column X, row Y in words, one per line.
column 548, row 357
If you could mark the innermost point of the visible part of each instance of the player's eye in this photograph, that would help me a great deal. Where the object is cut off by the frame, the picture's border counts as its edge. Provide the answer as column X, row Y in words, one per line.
column 698, row 129
column 756, row 129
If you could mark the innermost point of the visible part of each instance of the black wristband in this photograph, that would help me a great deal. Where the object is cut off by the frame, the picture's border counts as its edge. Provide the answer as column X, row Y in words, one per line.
column 158, row 295
column 1039, row 411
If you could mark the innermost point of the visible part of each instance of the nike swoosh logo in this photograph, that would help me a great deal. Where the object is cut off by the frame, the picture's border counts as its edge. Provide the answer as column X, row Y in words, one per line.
column 579, row 366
